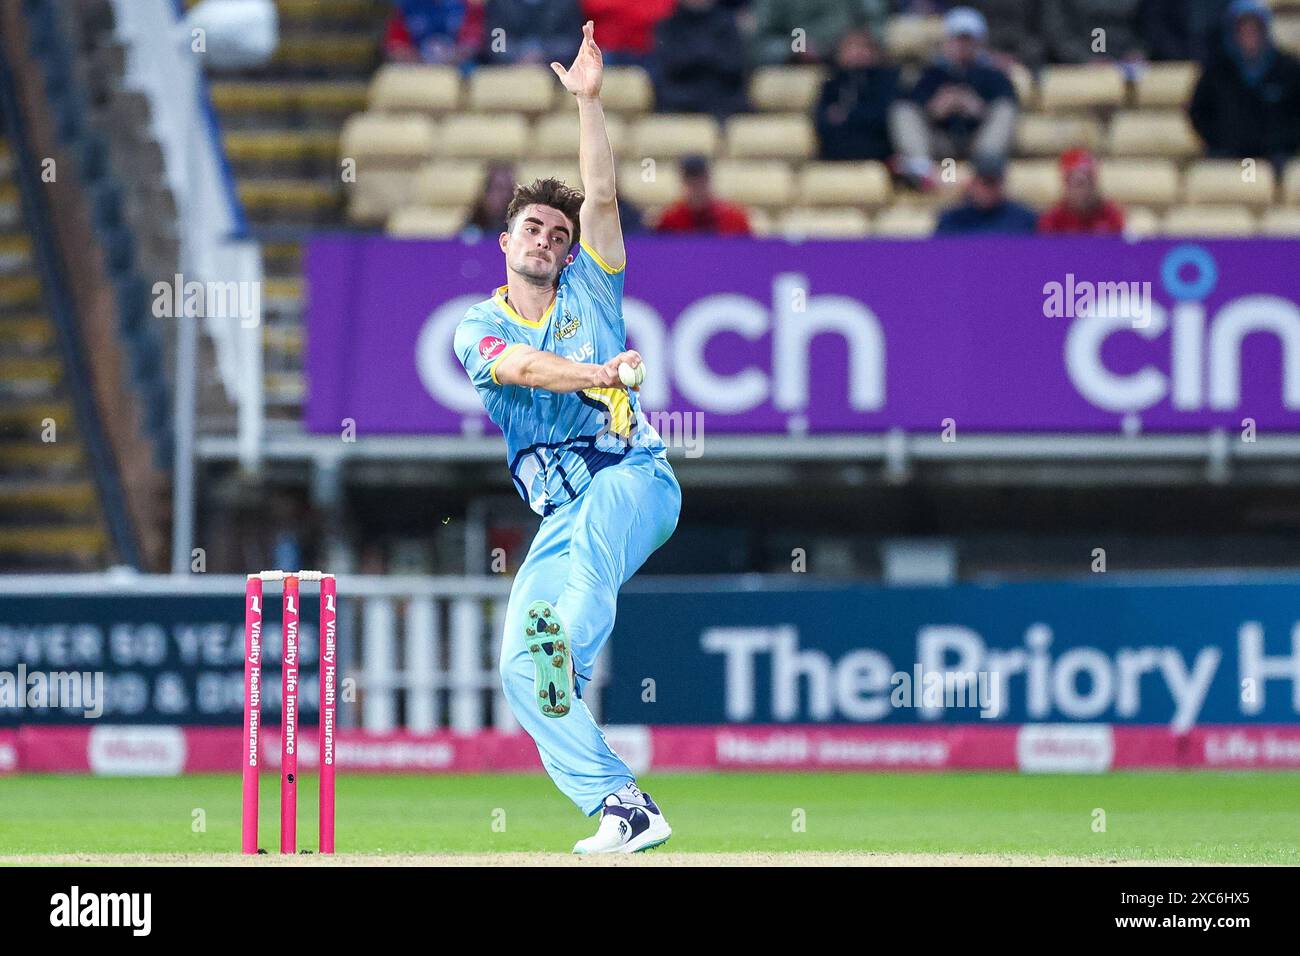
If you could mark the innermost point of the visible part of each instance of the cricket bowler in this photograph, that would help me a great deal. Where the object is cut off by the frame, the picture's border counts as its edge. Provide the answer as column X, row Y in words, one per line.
column 548, row 355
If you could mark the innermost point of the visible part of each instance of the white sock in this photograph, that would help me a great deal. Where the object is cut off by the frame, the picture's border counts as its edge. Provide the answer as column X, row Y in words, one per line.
column 629, row 795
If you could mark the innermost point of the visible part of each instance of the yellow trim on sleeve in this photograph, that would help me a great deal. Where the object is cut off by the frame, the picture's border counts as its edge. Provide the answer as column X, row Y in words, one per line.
column 599, row 261
column 492, row 369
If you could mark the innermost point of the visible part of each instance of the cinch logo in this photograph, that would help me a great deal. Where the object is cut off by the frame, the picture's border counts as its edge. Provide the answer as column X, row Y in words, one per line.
column 74, row 909
column 490, row 346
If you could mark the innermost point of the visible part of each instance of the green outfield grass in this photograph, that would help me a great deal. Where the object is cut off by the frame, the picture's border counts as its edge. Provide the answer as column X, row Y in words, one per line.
column 1204, row 817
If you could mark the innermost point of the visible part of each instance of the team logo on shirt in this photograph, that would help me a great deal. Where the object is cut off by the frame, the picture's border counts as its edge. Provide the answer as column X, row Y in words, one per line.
column 570, row 326
column 489, row 347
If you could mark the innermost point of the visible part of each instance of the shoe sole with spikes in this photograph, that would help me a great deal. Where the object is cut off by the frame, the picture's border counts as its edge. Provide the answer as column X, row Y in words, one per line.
column 548, row 646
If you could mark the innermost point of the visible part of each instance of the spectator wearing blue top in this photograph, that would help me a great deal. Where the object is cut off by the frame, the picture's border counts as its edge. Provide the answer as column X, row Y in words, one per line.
column 961, row 107
column 986, row 208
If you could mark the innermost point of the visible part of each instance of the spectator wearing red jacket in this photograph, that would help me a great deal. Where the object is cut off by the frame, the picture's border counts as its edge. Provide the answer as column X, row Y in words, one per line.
column 1083, row 209
column 699, row 210
column 626, row 30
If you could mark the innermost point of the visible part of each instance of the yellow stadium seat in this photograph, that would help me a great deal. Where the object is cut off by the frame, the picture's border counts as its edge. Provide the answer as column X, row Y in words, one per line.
column 471, row 136
column 761, row 222
column 1040, row 134
column 905, row 222
column 1091, row 86
column 650, row 183
column 754, row 182
column 1291, row 183
column 525, row 89
column 625, row 89
column 1286, row 34
column 1208, row 221
column 1141, row 223
column 844, row 184
column 843, row 222
column 910, row 37
column 396, row 139
column 426, row 222
column 673, row 135
column 1153, row 133
column 1147, row 182
column 406, row 87
column 565, row 170
column 1215, row 181
column 377, row 193
column 1281, row 221
column 786, row 89
column 1165, row 85
column 556, row 134
column 771, row 136
column 445, row 183
column 1035, row 182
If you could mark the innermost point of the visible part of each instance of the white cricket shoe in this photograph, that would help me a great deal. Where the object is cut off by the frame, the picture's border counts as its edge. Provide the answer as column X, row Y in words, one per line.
column 627, row 827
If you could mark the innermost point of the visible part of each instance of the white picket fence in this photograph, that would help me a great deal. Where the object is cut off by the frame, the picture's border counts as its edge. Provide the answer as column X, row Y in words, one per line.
column 422, row 650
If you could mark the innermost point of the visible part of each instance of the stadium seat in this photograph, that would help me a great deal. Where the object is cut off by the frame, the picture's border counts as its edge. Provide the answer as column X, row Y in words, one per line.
column 905, row 222
column 843, row 222
column 1165, row 85
column 562, row 169
column 760, row 222
column 910, row 37
column 1091, row 86
column 469, row 136
column 844, row 184
column 1280, row 221
column 345, row 53
column 397, row 139
column 1286, row 34
column 527, row 89
column 1022, row 78
column 1035, row 182
column 673, row 135
column 1216, row 181
column 650, row 183
column 1145, row 182
column 288, row 197
column 1040, row 134
column 1153, row 133
column 1208, row 221
column 754, row 182
column 272, row 146
column 556, row 134
column 443, row 183
column 426, row 222
column 1291, row 183
column 786, row 89
column 377, row 193
column 771, row 136
column 1140, row 223
column 624, row 90
column 401, row 87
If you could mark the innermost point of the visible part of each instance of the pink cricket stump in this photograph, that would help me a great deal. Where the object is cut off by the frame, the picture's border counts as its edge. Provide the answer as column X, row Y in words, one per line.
column 289, row 720
column 252, row 706
column 328, row 707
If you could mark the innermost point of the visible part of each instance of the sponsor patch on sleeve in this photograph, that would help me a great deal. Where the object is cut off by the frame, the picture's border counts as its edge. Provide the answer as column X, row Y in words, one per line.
column 489, row 347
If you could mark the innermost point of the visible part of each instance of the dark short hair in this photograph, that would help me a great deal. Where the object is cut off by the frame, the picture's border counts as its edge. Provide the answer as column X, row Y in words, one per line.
column 547, row 192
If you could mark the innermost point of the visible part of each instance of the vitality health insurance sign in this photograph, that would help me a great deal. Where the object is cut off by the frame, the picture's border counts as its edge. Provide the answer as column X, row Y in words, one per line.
column 997, row 334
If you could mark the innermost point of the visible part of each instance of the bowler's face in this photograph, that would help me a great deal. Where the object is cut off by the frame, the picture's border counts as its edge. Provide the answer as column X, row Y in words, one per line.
column 537, row 245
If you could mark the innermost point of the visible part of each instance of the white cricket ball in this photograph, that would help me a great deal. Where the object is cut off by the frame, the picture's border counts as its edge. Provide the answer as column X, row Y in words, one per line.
column 629, row 376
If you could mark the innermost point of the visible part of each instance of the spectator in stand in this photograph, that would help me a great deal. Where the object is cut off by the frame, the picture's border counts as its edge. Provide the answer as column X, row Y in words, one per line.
column 1247, row 101
column 489, row 213
column 820, row 24
column 1071, row 30
column 699, row 210
column 626, row 29
column 961, row 107
column 701, row 61
column 1178, row 30
column 1083, row 209
column 432, row 31
column 986, row 208
column 1015, row 34
column 531, row 31
column 853, row 109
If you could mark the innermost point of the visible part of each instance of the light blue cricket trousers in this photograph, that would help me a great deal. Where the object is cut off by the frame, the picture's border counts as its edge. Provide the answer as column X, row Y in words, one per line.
column 583, row 553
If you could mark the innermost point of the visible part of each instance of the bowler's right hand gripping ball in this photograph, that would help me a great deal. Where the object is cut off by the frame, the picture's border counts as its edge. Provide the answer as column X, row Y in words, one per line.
column 629, row 376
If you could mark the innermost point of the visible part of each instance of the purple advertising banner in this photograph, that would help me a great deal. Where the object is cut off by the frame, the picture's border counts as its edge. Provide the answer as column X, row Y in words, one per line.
column 769, row 336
